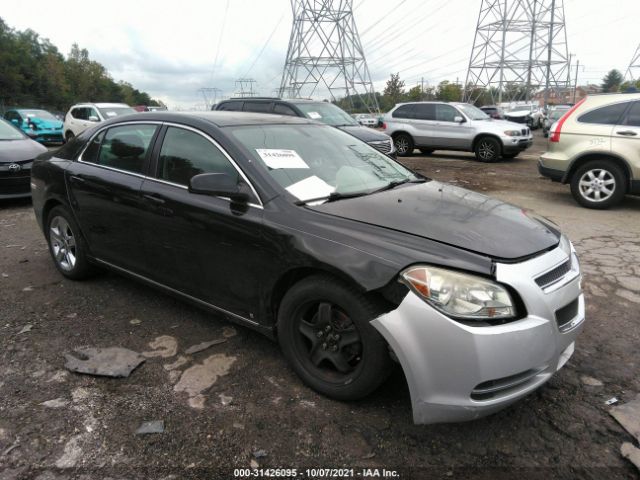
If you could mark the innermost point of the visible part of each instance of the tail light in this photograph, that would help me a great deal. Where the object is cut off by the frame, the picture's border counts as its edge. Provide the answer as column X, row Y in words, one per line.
column 384, row 126
column 555, row 135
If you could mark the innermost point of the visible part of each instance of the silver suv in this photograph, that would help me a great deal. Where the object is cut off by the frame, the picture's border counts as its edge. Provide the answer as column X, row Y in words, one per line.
column 431, row 126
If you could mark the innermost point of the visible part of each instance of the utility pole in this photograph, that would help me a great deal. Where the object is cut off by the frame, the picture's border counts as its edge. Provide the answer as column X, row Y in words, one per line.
column 575, row 84
column 511, row 58
column 422, row 88
column 325, row 53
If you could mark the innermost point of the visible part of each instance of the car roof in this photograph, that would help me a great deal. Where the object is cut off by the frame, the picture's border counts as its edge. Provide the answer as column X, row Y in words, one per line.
column 273, row 99
column 222, row 118
column 102, row 105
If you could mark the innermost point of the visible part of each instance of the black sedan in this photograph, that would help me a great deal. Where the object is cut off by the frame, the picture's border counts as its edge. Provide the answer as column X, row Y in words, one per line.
column 311, row 236
column 17, row 152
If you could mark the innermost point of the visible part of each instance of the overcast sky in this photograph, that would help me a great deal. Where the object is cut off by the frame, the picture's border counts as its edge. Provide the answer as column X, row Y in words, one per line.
column 172, row 49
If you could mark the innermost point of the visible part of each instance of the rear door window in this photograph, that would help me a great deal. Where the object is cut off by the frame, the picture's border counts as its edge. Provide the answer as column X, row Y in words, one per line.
column 258, row 107
column 231, row 106
column 80, row 113
column 633, row 117
column 126, row 147
column 405, row 111
column 424, row 111
column 609, row 115
column 90, row 155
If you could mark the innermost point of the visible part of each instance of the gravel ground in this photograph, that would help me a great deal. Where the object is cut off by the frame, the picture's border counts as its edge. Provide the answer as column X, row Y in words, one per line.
column 237, row 404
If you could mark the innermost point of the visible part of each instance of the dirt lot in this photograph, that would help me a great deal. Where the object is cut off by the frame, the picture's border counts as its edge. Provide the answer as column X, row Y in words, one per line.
column 237, row 402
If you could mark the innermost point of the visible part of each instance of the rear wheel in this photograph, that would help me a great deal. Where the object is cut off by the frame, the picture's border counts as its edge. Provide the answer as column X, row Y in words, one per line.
column 404, row 144
column 426, row 151
column 487, row 149
column 598, row 184
column 69, row 136
column 66, row 245
column 325, row 333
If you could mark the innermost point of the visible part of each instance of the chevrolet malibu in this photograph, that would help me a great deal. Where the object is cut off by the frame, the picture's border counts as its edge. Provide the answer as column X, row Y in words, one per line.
column 308, row 235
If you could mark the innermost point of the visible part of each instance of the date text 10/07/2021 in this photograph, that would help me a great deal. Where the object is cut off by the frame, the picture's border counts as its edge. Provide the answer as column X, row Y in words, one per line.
column 314, row 473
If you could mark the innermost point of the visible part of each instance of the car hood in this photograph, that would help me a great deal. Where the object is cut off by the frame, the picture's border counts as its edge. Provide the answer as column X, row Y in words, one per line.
column 517, row 114
column 451, row 215
column 502, row 125
column 48, row 124
column 364, row 133
column 19, row 150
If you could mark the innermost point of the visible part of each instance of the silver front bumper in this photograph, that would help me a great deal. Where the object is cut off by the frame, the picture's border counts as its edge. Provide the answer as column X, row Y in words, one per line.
column 458, row 372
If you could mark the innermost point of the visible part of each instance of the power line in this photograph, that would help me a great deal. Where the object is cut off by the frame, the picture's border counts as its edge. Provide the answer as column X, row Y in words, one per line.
column 224, row 21
column 264, row 46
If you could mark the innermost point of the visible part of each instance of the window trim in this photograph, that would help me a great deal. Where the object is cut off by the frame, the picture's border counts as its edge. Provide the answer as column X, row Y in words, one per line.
column 625, row 118
column 259, row 205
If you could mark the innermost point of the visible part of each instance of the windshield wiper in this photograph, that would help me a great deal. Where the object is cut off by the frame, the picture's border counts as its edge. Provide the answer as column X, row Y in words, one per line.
column 332, row 197
column 396, row 183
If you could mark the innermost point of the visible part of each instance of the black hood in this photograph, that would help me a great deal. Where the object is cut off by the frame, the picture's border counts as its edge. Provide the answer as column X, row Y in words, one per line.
column 365, row 134
column 451, row 215
column 19, row 150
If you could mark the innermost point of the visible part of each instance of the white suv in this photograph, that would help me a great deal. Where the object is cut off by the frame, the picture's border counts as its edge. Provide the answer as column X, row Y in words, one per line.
column 84, row 115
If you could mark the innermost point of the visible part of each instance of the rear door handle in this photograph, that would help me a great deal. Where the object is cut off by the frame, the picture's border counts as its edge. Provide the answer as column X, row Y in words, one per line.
column 154, row 199
column 77, row 179
column 629, row 133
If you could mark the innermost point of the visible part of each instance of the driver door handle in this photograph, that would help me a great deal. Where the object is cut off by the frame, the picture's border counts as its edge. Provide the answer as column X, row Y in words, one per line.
column 154, row 198
column 629, row 133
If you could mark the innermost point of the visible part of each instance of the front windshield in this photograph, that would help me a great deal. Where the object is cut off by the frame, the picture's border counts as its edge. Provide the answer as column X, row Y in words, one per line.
column 521, row 109
column 556, row 114
column 474, row 113
column 108, row 112
column 42, row 114
column 313, row 162
column 326, row 113
column 8, row 132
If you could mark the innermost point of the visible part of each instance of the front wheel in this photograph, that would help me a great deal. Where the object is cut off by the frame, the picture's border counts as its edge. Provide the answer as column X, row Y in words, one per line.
column 325, row 334
column 69, row 136
column 488, row 149
column 598, row 184
column 66, row 245
column 404, row 144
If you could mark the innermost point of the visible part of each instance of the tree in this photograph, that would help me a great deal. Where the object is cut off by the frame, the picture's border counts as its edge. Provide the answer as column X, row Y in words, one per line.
column 393, row 91
column 449, row 92
column 415, row 94
column 612, row 80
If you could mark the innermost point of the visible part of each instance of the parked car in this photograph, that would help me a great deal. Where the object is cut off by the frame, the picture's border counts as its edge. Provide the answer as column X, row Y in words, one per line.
column 366, row 120
column 530, row 115
column 17, row 152
column 431, row 126
column 149, row 108
column 84, row 115
column 324, row 112
column 39, row 125
column 553, row 116
column 595, row 147
column 493, row 111
column 308, row 235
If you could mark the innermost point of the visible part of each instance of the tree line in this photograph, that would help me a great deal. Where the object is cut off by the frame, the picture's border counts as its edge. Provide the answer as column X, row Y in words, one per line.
column 34, row 74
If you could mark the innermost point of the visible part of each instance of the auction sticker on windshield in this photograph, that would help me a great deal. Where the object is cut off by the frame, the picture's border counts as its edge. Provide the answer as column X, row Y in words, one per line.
column 310, row 187
column 314, row 115
column 276, row 158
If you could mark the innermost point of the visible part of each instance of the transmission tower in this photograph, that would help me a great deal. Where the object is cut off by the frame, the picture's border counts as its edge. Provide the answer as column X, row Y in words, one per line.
column 244, row 87
column 207, row 94
column 520, row 47
column 325, row 54
column 633, row 72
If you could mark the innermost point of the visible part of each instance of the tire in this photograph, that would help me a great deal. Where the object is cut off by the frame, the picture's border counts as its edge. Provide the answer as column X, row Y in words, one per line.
column 341, row 355
column 68, row 136
column 66, row 244
column 426, row 151
column 509, row 156
column 404, row 144
column 599, row 184
column 488, row 149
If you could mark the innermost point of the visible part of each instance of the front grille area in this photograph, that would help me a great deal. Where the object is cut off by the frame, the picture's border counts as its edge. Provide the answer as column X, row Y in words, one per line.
column 14, row 184
column 554, row 275
column 525, row 132
column 504, row 385
column 383, row 147
column 567, row 313
column 517, row 119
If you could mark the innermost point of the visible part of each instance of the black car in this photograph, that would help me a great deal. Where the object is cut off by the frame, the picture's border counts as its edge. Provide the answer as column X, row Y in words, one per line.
column 17, row 152
column 324, row 112
column 306, row 234
column 493, row 111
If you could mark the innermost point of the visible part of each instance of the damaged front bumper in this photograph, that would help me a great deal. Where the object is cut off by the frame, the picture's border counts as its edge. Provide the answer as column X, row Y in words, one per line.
column 458, row 372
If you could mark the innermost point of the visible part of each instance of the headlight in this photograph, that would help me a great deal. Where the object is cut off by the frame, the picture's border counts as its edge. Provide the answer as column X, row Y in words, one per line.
column 460, row 295
column 512, row 133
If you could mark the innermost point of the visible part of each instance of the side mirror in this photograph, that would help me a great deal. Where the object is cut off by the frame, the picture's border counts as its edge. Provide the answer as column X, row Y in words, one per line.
column 217, row 184
column 458, row 119
column 93, row 118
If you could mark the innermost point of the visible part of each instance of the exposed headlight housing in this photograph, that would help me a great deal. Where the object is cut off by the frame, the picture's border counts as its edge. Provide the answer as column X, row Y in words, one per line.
column 459, row 295
column 512, row 133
